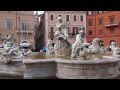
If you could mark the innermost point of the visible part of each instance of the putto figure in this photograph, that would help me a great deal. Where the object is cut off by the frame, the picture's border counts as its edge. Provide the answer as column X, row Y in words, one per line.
column 78, row 47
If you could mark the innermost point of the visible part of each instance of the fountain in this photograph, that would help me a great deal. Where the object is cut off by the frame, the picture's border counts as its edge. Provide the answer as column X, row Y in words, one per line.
column 64, row 60
column 73, row 61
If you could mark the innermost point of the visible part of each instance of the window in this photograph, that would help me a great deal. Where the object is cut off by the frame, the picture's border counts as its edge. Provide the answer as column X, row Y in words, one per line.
column 68, row 28
column 24, row 35
column 75, row 30
column 24, row 25
column 111, row 19
column 112, row 30
column 67, row 18
column 51, row 29
column 100, row 21
column 90, row 32
column 89, row 13
column 8, row 24
column 74, row 17
column 89, row 23
column 60, row 15
column 100, row 31
column 51, row 17
column 81, row 18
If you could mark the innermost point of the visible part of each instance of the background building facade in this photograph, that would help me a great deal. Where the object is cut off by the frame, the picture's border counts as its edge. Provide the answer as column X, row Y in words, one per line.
column 74, row 20
column 39, row 31
column 104, row 25
column 20, row 24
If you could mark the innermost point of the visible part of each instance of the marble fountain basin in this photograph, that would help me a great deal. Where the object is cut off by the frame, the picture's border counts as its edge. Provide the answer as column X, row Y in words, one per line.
column 106, row 68
column 40, row 69
column 14, row 70
column 66, row 68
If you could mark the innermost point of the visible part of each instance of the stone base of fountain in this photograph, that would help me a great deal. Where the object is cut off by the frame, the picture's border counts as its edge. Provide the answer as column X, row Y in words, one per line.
column 88, row 69
column 15, row 69
column 40, row 69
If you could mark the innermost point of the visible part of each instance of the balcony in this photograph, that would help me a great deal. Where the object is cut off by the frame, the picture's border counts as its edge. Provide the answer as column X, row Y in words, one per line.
column 111, row 24
column 25, row 31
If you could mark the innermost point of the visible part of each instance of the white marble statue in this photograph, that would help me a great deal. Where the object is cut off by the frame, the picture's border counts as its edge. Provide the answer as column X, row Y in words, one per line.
column 50, row 47
column 115, row 49
column 95, row 48
column 61, row 29
column 78, row 47
column 11, row 50
column 113, row 45
column 62, row 46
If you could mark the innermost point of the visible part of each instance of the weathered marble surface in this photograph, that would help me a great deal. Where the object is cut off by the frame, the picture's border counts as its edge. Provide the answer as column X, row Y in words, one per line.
column 15, row 70
column 88, row 69
column 78, row 47
column 40, row 69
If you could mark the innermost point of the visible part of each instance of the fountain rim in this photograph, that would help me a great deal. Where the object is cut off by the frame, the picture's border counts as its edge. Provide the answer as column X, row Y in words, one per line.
column 100, row 61
column 25, row 61
column 109, row 59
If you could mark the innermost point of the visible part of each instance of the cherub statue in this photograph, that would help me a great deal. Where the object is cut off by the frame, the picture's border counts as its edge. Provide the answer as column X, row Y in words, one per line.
column 78, row 48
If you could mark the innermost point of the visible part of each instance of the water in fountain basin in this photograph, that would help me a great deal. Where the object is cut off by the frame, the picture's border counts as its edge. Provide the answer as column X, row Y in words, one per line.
column 51, row 56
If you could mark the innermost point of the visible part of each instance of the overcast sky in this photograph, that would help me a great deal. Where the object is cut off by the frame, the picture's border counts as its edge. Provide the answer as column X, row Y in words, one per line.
column 40, row 12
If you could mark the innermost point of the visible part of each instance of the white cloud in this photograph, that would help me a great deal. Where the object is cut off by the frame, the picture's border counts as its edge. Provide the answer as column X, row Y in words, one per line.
column 39, row 12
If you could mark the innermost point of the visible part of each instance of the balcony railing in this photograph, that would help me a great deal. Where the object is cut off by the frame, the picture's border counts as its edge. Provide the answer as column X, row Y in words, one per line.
column 110, row 24
column 25, row 31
